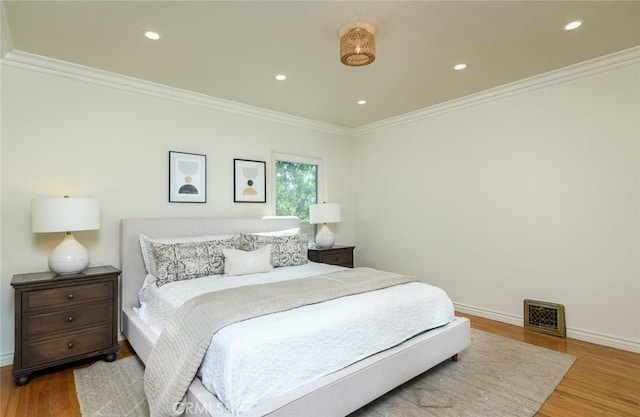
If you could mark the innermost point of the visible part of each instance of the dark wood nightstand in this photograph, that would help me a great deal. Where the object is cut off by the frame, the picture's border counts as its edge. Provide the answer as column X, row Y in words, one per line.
column 335, row 255
column 63, row 318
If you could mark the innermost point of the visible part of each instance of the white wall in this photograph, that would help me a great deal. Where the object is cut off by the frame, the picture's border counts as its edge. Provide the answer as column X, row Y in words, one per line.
column 536, row 195
column 530, row 196
column 63, row 136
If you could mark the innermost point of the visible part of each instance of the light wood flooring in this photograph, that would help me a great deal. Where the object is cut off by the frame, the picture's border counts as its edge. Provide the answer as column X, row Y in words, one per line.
column 603, row 382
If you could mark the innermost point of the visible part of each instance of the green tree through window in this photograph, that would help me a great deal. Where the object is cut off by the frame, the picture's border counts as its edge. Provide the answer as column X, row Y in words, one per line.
column 296, row 188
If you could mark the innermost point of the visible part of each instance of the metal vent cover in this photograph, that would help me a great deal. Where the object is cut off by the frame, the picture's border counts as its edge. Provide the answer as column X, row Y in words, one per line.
column 545, row 317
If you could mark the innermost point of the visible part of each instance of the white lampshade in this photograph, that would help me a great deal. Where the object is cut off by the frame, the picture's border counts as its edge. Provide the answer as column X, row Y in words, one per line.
column 324, row 213
column 66, row 215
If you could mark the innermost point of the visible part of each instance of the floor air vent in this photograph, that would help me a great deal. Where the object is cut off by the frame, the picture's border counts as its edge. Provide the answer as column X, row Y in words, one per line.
column 544, row 317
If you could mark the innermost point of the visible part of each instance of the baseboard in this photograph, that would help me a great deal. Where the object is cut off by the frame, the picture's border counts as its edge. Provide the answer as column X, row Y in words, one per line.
column 604, row 340
column 573, row 333
column 489, row 314
column 6, row 359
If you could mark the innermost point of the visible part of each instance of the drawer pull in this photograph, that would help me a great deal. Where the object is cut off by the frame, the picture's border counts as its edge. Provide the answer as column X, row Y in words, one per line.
column 70, row 345
column 70, row 319
column 70, row 296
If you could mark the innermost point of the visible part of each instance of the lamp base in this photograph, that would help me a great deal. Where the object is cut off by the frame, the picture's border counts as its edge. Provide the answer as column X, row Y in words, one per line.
column 324, row 238
column 69, row 257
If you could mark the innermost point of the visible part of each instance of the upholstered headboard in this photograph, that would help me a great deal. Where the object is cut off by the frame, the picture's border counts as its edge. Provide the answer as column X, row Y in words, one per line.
column 133, row 271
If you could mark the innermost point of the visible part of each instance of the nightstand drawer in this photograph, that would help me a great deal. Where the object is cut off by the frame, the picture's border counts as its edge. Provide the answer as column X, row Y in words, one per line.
column 340, row 258
column 37, row 325
column 69, row 345
column 64, row 296
column 335, row 255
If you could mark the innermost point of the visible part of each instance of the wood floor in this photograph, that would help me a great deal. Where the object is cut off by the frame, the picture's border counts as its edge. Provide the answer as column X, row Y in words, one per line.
column 602, row 382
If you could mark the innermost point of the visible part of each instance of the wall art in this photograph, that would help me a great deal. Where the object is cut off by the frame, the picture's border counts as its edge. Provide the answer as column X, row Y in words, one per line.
column 249, row 181
column 187, row 177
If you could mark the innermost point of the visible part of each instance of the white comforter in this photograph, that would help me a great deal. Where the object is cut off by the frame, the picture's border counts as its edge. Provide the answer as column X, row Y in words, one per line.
column 252, row 361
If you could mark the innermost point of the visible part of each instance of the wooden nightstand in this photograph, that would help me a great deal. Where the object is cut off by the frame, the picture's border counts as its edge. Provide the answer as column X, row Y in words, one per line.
column 335, row 255
column 63, row 318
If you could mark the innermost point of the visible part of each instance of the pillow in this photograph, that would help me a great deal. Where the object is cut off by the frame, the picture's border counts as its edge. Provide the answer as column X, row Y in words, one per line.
column 240, row 262
column 285, row 250
column 147, row 250
column 286, row 232
column 188, row 260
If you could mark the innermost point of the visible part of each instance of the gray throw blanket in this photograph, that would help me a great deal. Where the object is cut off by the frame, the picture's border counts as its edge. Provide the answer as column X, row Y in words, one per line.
column 181, row 347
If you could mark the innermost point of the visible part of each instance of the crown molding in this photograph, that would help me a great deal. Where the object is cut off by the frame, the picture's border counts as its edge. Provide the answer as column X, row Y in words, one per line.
column 51, row 66
column 584, row 69
column 83, row 73
column 5, row 31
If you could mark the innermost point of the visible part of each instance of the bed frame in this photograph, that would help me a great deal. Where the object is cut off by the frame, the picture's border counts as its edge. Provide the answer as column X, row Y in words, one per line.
column 334, row 395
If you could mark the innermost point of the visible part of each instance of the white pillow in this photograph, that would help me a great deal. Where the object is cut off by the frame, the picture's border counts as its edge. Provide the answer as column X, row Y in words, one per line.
column 240, row 262
column 286, row 232
column 147, row 249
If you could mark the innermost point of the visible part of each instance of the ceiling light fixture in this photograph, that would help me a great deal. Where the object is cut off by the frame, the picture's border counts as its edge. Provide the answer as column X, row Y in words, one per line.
column 362, row 101
column 357, row 44
column 460, row 67
column 573, row 25
column 149, row 34
column 281, row 77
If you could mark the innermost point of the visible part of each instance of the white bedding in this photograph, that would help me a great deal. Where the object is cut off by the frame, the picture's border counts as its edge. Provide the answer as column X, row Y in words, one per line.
column 251, row 361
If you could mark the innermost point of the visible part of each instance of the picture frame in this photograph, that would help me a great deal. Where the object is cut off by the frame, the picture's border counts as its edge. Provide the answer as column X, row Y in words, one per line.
column 187, row 177
column 249, row 181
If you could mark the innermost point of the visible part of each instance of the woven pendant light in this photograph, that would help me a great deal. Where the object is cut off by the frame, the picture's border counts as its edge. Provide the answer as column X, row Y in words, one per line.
column 357, row 44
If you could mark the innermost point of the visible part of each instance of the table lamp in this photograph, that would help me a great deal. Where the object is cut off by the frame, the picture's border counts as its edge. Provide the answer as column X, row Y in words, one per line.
column 66, row 215
column 324, row 213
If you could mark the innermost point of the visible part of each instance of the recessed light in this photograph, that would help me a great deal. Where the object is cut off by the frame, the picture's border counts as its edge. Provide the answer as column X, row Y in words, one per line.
column 362, row 101
column 281, row 77
column 149, row 34
column 460, row 67
column 573, row 25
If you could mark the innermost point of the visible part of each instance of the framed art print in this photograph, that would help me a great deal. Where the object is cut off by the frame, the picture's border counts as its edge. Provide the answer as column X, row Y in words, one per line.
column 249, row 181
column 187, row 177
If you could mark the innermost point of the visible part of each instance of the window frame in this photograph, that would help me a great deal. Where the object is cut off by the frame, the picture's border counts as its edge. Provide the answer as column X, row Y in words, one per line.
column 300, row 159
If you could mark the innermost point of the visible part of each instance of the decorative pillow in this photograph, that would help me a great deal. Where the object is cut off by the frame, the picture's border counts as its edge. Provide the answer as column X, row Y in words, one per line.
column 285, row 250
column 240, row 262
column 147, row 250
column 188, row 260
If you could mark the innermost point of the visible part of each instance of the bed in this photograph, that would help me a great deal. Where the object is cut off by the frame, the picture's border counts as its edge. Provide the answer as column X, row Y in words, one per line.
column 354, row 385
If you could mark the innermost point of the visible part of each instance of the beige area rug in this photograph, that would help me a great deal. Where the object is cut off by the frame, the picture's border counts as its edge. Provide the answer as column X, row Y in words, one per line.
column 112, row 389
column 494, row 377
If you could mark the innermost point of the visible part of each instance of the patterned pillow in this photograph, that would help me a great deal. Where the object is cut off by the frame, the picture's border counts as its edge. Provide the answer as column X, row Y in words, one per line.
column 188, row 260
column 147, row 250
column 285, row 250
column 240, row 262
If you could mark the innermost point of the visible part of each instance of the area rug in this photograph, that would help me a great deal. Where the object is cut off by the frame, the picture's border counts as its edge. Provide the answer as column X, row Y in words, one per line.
column 494, row 377
column 112, row 389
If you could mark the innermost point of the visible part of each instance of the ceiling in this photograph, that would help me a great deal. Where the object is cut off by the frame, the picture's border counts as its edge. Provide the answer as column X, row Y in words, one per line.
column 232, row 50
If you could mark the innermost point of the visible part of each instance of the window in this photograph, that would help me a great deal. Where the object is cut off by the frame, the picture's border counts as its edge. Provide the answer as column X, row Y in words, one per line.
column 297, row 185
